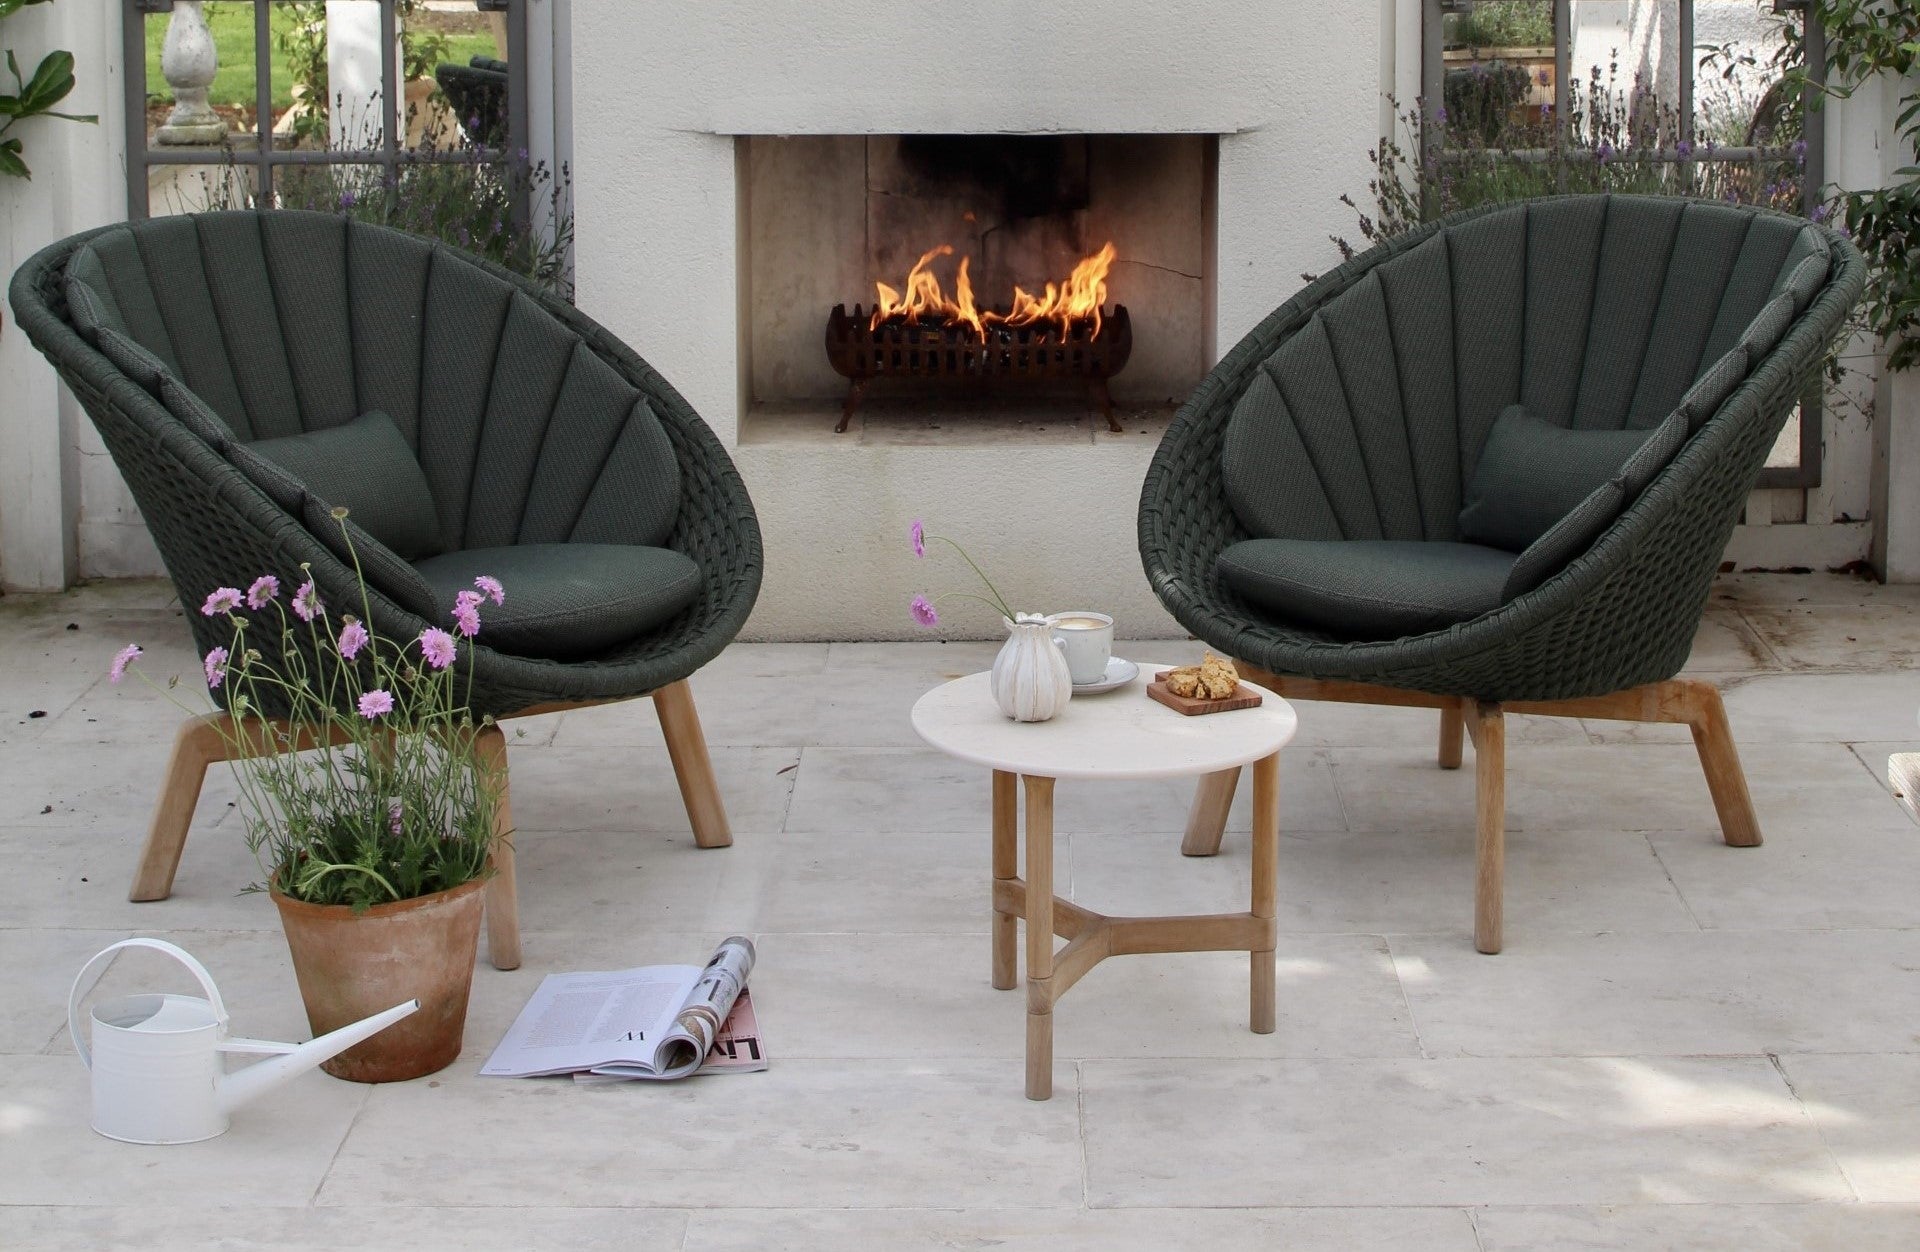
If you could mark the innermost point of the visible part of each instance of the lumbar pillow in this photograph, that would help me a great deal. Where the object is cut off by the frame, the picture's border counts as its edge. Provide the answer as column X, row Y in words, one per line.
column 366, row 467
column 1367, row 588
column 1532, row 473
column 1575, row 533
column 567, row 600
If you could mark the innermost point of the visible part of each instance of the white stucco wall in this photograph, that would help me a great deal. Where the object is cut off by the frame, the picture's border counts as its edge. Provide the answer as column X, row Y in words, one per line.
column 52, row 459
column 659, row 92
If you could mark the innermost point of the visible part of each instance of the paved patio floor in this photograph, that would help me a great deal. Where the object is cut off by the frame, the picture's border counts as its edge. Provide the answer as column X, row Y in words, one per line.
column 1684, row 1045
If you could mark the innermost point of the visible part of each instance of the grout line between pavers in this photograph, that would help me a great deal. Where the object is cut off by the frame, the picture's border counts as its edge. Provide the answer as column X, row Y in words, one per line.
column 313, row 1200
column 1413, row 1020
column 1080, row 1116
column 1673, row 882
column 1813, row 1123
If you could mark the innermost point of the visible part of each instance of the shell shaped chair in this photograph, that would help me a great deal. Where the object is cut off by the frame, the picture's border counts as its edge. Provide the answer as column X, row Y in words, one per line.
column 1345, row 435
column 233, row 361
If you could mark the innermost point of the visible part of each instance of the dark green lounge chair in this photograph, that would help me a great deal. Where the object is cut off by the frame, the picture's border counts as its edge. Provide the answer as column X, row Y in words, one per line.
column 248, row 370
column 1304, row 513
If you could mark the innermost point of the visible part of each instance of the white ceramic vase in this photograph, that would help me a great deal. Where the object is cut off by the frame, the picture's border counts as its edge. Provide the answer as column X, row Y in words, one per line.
column 1030, row 679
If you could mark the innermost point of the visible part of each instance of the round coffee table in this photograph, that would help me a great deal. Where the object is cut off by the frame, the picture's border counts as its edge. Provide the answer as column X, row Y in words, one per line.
column 1120, row 735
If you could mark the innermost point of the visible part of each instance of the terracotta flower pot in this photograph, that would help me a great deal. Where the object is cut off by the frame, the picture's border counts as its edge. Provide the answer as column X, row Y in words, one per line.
column 351, row 966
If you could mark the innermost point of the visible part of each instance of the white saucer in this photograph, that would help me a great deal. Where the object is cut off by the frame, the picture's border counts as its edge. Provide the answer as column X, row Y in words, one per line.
column 1120, row 672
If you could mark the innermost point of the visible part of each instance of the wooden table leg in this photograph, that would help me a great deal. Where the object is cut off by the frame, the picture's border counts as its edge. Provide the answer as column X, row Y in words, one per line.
column 1039, row 937
column 1006, row 864
column 1266, row 880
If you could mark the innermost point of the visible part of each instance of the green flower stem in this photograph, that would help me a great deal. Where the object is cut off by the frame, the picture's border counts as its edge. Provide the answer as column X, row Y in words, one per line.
column 999, row 601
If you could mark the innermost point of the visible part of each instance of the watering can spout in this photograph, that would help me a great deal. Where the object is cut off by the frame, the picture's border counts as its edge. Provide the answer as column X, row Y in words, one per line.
column 237, row 1088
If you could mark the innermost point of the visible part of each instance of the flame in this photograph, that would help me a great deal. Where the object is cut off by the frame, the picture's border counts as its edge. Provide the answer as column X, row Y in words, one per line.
column 1081, row 297
column 1078, row 299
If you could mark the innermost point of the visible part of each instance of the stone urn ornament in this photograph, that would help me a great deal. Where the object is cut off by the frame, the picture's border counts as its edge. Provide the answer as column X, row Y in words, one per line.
column 1030, row 680
column 188, row 61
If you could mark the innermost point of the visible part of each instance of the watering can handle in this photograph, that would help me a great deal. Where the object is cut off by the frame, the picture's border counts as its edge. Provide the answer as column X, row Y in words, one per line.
column 82, row 985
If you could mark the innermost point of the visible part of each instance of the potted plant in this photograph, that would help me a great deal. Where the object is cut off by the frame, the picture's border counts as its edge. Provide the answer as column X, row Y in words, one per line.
column 368, row 806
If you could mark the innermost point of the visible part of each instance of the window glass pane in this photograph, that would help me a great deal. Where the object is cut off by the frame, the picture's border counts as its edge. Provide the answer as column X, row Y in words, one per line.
column 1627, row 63
column 1741, row 51
column 1498, row 58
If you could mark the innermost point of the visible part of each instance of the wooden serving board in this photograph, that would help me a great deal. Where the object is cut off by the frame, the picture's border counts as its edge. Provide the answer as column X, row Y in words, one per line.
column 1243, row 697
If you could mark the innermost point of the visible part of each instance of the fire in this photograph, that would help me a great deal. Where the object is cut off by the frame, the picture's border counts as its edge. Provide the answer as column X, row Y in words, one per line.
column 1078, row 299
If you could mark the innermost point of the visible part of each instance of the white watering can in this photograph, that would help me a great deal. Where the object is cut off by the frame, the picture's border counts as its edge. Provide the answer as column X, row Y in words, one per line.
column 157, row 1076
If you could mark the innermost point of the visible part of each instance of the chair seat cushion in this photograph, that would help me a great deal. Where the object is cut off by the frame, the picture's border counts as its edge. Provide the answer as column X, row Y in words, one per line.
column 1371, row 589
column 1532, row 473
column 566, row 600
column 366, row 467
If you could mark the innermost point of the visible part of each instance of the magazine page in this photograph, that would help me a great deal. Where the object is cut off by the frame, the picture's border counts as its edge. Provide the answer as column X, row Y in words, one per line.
column 577, row 1021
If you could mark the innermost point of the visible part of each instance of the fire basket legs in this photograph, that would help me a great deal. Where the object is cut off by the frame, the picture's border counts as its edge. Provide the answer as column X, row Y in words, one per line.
column 852, row 402
column 1104, row 398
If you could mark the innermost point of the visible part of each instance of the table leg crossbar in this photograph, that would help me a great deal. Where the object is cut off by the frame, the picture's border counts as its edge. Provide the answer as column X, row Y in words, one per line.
column 1093, row 937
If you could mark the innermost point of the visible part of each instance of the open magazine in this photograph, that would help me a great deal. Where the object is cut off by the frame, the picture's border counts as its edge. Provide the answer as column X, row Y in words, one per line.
column 654, row 1022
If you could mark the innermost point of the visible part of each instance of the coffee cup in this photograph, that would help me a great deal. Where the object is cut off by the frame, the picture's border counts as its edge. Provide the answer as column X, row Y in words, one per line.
column 1085, row 638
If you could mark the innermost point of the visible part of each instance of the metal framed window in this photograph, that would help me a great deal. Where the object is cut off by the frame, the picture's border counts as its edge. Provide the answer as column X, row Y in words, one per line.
column 258, row 148
column 1553, row 98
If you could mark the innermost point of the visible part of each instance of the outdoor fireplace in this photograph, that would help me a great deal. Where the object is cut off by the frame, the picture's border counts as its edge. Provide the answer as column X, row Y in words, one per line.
column 975, row 278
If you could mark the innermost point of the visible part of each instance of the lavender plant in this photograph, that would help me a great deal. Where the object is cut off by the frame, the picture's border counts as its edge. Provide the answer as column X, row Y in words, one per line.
column 1615, row 137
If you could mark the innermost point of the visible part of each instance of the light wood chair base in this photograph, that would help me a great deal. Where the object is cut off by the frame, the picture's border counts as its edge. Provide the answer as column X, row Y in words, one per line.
column 1685, row 701
column 204, row 741
column 1093, row 937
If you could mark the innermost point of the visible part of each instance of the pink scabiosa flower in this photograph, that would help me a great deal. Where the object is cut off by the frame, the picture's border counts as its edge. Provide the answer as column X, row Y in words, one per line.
column 306, row 602
column 923, row 612
column 353, row 637
column 918, row 533
column 223, row 600
column 123, row 658
column 437, row 646
column 491, row 586
column 376, row 703
column 265, row 588
column 466, row 613
column 216, row 667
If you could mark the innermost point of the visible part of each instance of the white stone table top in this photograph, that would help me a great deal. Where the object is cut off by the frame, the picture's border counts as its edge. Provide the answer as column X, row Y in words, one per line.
column 1121, row 734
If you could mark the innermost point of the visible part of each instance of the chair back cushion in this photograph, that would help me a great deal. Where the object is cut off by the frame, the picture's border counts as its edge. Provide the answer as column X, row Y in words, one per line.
column 1597, row 314
column 289, row 323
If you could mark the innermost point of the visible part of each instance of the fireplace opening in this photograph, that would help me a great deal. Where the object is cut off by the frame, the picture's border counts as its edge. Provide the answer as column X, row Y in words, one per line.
column 971, row 283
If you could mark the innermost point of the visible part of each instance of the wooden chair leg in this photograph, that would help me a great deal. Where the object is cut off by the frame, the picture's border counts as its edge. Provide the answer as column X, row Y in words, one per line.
column 197, row 745
column 687, row 747
column 503, row 892
column 1453, row 729
column 1207, row 820
column 1720, row 761
column 1490, row 781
